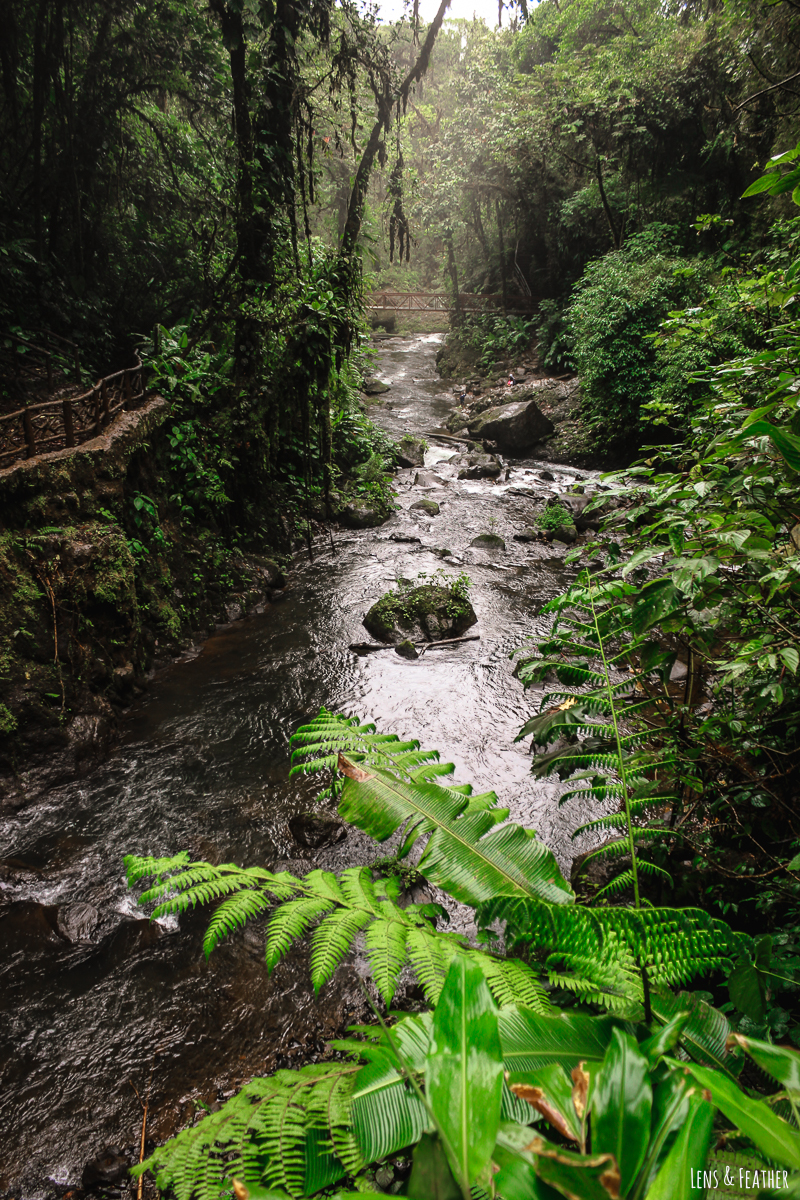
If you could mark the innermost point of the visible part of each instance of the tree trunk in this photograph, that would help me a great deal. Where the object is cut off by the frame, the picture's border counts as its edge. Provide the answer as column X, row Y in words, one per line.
column 502, row 245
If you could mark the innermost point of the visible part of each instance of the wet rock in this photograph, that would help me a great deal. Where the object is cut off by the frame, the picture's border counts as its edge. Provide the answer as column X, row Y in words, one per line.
column 427, row 479
column 403, row 537
column 427, row 613
column 130, row 937
column 108, row 1167
column 314, row 830
column 547, row 475
column 529, row 535
column 76, row 922
column 564, row 533
column 429, row 507
column 488, row 541
column 411, row 451
column 359, row 516
column 515, row 426
column 27, row 925
column 374, row 387
column 407, row 649
column 477, row 466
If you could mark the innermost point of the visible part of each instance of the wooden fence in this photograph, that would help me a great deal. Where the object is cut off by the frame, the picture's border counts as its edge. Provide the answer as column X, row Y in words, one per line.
column 443, row 302
column 54, row 424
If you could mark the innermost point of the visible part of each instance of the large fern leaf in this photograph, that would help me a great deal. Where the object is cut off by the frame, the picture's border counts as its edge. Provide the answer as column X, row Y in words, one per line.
column 462, row 855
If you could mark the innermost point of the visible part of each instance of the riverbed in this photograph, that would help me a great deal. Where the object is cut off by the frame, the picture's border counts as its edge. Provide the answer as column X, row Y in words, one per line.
column 204, row 766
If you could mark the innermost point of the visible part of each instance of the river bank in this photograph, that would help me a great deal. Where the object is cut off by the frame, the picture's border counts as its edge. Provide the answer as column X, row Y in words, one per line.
column 93, row 996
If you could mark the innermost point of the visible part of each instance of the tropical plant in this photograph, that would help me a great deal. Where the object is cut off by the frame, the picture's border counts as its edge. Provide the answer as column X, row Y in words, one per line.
column 461, row 1087
column 618, row 958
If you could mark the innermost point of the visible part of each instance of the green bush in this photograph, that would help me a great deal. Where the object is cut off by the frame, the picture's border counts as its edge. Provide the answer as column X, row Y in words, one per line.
column 616, row 308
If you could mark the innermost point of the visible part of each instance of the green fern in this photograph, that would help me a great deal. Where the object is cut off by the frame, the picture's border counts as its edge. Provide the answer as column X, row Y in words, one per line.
column 333, row 910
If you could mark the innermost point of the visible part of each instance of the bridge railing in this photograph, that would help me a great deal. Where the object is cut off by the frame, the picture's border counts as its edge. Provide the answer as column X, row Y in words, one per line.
column 444, row 302
column 54, row 424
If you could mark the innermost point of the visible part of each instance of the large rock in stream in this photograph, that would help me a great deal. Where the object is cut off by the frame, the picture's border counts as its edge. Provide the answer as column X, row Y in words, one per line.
column 514, row 427
column 423, row 614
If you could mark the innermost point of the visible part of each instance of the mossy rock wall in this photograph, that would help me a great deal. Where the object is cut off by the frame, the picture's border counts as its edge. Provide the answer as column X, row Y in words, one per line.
column 90, row 602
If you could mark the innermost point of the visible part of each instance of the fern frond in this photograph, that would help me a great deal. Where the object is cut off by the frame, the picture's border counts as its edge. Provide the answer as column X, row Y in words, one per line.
column 386, row 950
column 331, row 941
column 290, row 922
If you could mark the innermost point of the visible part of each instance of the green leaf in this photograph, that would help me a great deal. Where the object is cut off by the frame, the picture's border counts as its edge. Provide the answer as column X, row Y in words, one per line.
column 665, row 1039
column 790, row 658
column 621, row 1107
column 748, row 990
column 465, row 854
column 765, row 183
column 780, row 1062
column 464, row 1078
column 431, row 1176
column 686, row 1157
column 754, row 1118
column 531, row 1041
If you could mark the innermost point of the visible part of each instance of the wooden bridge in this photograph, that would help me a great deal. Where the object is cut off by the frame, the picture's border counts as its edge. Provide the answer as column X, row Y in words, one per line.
column 444, row 302
column 69, row 420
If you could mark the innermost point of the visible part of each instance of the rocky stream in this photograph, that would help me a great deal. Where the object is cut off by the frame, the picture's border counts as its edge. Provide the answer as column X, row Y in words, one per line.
column 97, row 1003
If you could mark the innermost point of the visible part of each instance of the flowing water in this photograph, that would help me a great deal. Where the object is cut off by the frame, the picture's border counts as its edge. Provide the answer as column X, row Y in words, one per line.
column 203, row 766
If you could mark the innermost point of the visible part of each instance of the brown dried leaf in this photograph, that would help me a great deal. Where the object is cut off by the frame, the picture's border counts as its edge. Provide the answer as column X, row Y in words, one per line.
column 537, row 1099
column 580, row 1088
column 351, row 770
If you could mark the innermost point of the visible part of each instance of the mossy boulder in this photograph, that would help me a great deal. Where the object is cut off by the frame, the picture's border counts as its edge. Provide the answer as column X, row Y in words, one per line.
column 411, row 451
column 362, row 516
column 420, row 614
column 429, row 507
column 515, row 427
column 488, row 541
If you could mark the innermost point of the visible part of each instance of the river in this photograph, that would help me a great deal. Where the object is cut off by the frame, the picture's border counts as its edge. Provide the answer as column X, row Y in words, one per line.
column 203, row 766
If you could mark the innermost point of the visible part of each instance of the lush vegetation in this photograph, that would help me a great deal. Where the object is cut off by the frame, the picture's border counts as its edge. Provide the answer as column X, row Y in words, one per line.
column 210, row 185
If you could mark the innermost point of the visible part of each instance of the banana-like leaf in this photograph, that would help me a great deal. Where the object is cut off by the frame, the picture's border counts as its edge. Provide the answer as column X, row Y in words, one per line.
column 530, row 1040
column 387, row 1115
column 621, row 1106
column 466, row 855
column 773, row 1136
column 687, row 1155
column 781, row 1062
column 705, row 1033
column 464, row 1080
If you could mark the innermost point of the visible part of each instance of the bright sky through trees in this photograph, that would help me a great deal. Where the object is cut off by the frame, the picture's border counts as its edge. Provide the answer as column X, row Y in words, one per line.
column 392, row 10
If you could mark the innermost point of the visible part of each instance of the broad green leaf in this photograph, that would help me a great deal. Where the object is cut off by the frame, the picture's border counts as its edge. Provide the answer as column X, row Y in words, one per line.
column 621, row 1106
column 790, row 657
column 679, row 1171
column 670, row 1106
column 464, row 1079
column 549, row 1092
column 781, row 1062
column 765, row 183
column 665, row 1039
column 588, row 1176
column 748, row 990
column 466, row 855
column 431, row 1176
column 531, row 1041
column 387, row 1116
column 517, row 1178
column 771, row 1135
column 704, row 1035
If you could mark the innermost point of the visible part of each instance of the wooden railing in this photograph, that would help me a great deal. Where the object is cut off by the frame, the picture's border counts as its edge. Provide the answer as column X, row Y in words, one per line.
column 54, row 424
column 443, row 302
